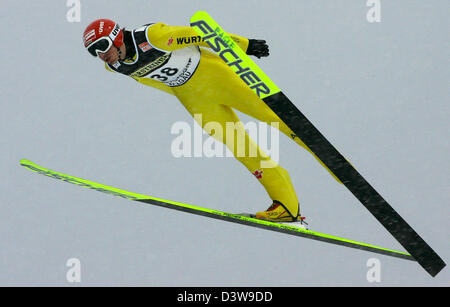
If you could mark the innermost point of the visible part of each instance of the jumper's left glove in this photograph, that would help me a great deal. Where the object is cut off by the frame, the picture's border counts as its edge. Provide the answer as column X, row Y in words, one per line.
column 258, row 48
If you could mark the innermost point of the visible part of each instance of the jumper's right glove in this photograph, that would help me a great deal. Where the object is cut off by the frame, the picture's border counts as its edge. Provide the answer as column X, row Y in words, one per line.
column 258, row 48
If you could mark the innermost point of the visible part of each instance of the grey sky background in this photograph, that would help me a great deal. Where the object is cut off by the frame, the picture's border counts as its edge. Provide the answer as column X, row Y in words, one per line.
column 378, row 91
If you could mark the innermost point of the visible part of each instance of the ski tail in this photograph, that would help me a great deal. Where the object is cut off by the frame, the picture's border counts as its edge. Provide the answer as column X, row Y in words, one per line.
column 221, row 43
column 215, row 214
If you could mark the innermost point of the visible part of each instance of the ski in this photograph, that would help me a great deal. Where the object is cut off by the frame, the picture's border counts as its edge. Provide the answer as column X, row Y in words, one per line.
column 243, row 219
column 221, row 43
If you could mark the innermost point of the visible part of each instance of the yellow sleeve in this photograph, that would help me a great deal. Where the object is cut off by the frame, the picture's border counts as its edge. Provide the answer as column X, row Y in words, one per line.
column 170, row 38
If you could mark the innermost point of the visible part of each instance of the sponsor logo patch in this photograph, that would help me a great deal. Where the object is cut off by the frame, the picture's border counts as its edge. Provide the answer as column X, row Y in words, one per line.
column 258, row 174
column 145, row 46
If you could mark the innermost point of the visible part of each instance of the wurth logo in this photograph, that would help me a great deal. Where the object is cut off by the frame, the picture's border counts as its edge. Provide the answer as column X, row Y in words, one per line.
column 189, row 40
column 170, row 42
column 258, row 174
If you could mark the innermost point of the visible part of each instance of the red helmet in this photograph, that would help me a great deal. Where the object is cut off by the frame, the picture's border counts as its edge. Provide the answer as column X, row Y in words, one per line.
column 103, row 28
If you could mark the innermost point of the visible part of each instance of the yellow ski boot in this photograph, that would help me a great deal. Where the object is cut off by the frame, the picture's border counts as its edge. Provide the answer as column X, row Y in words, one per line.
column 277, row 213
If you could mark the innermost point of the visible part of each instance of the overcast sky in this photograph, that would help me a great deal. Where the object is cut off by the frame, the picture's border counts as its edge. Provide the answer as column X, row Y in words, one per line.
column 378, row 91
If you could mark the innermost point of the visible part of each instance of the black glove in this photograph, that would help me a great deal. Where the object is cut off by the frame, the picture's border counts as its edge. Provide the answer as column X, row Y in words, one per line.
column 258, row 48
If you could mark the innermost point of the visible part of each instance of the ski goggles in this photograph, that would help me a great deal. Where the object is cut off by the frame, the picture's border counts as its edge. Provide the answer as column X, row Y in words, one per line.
column 103, row 44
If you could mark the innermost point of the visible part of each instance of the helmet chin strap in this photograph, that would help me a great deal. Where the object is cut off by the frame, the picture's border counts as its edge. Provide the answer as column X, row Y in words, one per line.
column 119, row 51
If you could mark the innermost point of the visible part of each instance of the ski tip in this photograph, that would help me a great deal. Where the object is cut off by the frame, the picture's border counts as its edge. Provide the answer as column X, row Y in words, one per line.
column 24, row 162
column 28, row 164
column 199, row 15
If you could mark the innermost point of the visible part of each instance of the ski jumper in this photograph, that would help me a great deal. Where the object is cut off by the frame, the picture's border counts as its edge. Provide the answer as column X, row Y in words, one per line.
column 170, row 59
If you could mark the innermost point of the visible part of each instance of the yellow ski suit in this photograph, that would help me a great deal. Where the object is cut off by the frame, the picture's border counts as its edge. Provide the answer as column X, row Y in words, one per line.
column 213, row 91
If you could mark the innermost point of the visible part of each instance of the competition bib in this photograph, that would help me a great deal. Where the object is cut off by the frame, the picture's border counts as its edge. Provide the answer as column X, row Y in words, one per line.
column 179, row 68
